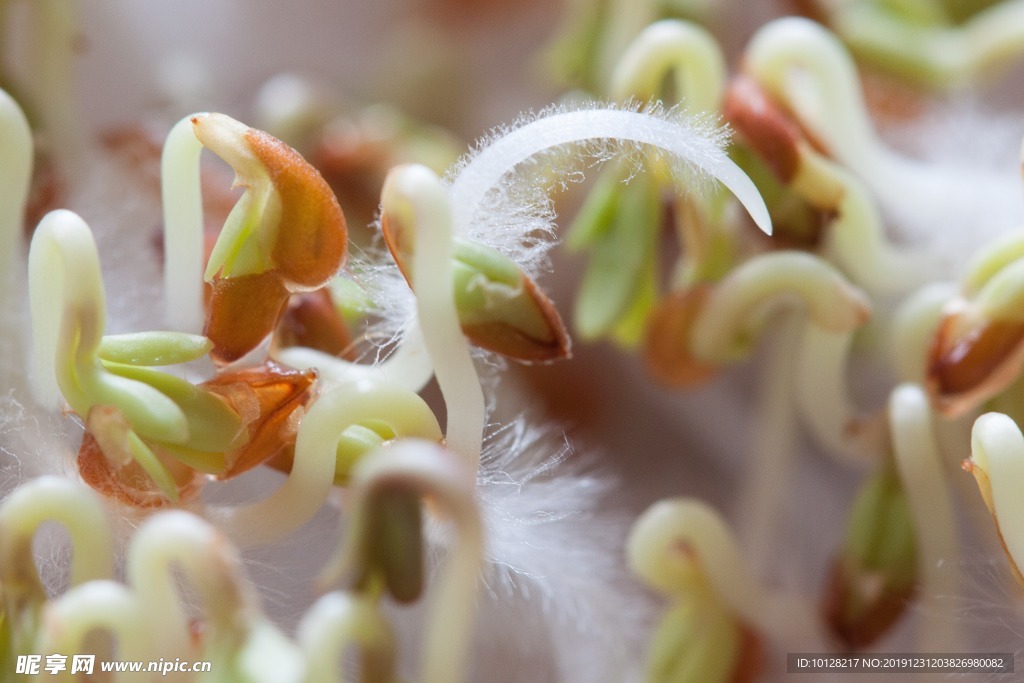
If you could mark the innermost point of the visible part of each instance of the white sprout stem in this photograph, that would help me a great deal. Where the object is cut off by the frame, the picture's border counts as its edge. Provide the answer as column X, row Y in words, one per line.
column 450, row 630
column 408, row 366
column 74, row 506
column 66, row 299
column 181, row 189
column 624, row 20
column 920, row 468
column 991, row 258
column 52, row 80
column 659, row 542
column 947, row 56
column 685, row 50
column 913, row 329
column 770, row 465
column 807, row 69
column 994, row 35
column 739, row 301
column 451, row 484
column 416, row 193
column 180, row 539
column 104, row 605
column 485, row 170
column 804, row 66
column 68, row 309
column 336, row 622
column 312, row 475
column 151, row 556
column 15, row 178
column 856, row 240
column 1002, row 295
column 821, row 392
column 997, row 449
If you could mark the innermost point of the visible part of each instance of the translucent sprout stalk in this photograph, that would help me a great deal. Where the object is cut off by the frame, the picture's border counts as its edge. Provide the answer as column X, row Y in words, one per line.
column 24, row 594
column 735, row 313
column 66, row 293
column 939, row 55
column 822, row 393
column 991, row 259
column 313, row 470
column 856, row 239
column 183, row 228
column 808, row 71
column 15, row 176
column 338, row 622
column 921, row 470
column 428, row 470
column 685, row 51
column 76, row 508
column 834, row 310
column 997, row 463
column 102, row 605
column 913, row 327
column 682, row 143
column 415, row 195
column 68, row 309
column 804, row 67
column 736, row 308
column 52, row 80
column 179, row 539
column 676, row 530
column 774, row 439
column 407, row 366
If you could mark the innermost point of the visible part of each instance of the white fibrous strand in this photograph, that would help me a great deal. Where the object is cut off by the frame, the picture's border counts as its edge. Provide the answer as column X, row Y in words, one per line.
column 547, row 525
column 501, row 190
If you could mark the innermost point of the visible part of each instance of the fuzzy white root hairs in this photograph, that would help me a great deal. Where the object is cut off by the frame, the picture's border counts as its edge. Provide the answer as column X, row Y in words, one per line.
column 493, row 206
column 499, row 192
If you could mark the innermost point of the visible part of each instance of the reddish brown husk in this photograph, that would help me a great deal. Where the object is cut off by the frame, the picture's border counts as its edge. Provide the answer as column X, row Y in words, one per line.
column 667, row 344
column 311, row 320
column 310, row 246
column 859, row 614
column 271, row 399
column 781, row 143
column 512, row 342
column 397, row 244
column 985, row 486
column 968, row 364
column 498, row 336
column 811, row 9
column 750, row 663
column 243, row 310
column 312, row 240
column 130, row 484
column 765, row 126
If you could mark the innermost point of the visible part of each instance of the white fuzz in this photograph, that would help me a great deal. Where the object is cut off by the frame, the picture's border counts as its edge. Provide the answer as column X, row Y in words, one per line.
column 393, row 305
column 548, row 529
column 500, row 191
